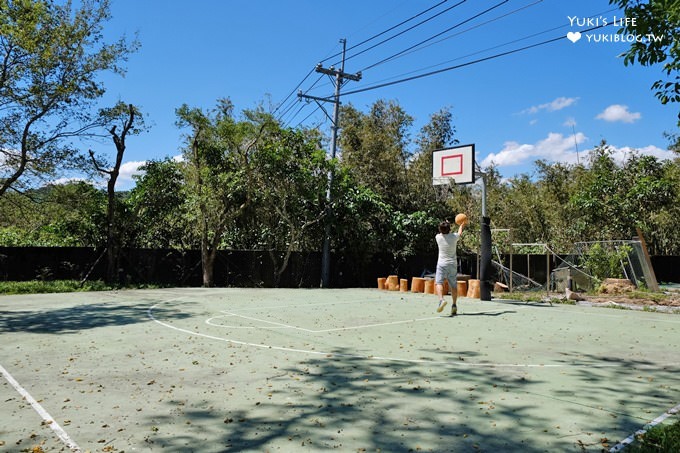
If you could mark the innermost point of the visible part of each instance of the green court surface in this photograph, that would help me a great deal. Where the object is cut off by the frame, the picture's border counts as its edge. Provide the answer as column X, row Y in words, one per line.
column 229, row 369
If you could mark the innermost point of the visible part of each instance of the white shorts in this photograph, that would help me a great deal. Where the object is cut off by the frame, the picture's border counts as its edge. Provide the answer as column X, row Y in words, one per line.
column 446, row 272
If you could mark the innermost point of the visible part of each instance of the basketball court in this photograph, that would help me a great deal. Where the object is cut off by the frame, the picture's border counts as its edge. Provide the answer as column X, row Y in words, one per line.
column 229, row 369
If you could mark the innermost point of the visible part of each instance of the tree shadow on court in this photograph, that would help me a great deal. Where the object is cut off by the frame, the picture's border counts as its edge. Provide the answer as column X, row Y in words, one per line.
column 350, row 403
column 81, row 317
column 627, row 393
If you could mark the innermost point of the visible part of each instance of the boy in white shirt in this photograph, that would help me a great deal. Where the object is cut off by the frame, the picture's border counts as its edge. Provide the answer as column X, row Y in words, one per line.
column 447, row 263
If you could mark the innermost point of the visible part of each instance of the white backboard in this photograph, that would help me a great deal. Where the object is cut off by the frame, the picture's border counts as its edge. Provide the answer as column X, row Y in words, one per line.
column 454, row 165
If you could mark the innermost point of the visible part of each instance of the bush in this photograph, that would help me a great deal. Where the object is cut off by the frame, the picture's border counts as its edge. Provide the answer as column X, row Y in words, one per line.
column 58, row 286
column 659, row 439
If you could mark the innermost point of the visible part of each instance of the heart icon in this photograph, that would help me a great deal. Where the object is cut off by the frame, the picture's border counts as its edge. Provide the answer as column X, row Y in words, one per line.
column 574, row 36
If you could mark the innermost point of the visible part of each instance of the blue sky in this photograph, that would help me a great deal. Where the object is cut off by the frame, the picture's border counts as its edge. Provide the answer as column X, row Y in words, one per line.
column 542, row 103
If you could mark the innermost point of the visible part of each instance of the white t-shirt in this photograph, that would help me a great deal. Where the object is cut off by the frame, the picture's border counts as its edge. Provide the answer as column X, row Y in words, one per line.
column 447, row 248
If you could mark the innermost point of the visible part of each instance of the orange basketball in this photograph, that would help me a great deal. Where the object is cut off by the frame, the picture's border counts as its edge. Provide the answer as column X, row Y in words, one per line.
column 461, row 219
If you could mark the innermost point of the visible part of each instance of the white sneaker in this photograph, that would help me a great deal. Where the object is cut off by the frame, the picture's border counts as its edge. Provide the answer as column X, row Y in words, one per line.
column 442, row 304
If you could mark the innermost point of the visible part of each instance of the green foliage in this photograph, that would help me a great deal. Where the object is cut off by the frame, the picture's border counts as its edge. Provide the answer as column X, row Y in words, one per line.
column 658, row 439
column 602, row 263
column 71, row 214
column 611, row 200
column 158, row 204
column 247, row 183
column 53, row 56
column 58, row 286
column 659, row 21
column 375, row 148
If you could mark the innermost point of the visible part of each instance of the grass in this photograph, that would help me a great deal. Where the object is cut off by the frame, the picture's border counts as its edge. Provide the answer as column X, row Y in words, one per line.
column 659, row 439
column 60, row 286
column 533, row 296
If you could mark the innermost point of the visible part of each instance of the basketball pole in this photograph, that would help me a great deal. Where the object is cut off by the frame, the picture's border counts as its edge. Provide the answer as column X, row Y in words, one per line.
column 485, row 266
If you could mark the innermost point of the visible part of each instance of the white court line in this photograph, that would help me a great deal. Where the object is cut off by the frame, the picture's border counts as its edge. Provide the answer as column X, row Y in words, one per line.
column 454, row 363
column 337, row 329
column 47, row 418
column 630, row 439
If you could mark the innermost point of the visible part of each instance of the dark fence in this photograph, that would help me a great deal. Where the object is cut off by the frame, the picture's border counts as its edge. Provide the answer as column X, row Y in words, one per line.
column 232, row 267
column 255, row 268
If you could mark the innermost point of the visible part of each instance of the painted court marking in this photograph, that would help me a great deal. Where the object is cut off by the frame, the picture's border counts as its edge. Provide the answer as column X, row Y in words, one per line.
column 458, row 364
column 47, row 418
column 276, row 325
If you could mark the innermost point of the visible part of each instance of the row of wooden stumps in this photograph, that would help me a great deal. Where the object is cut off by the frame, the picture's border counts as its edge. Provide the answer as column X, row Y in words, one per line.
column 466, row 287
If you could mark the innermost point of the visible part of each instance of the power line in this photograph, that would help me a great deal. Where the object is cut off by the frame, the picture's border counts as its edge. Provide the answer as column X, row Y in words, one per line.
column 407, row 30
column 364, row 42
column 437, row 35
column 307, row 117
column 296, row 100
column 474, row 27
column 294, row 90
column 493, row 47
column 469, row 63
column 390, row 29
column 478, row 52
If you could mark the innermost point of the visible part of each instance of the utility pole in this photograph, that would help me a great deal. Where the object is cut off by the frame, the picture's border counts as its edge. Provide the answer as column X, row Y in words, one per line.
column 339, row 77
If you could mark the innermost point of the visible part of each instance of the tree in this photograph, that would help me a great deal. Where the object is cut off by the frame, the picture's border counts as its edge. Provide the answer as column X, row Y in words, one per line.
column 291, row 181
column 158, row 204
column 218, row 171
column 128, row 117
column 374, row 147
column 57, row 215
column 656, row 24
column 50, row 57
column 613, row 199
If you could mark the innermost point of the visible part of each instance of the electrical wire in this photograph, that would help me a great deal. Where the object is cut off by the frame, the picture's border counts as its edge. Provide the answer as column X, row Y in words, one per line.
column 294, row 101
column 462, row 65
column 436, row 36
column 390, row 29
column 362, row 43
column 499, row 45
column 307, row 117
column 405, row 31
column 474, row 27
column 295, row 114
column 477, row 52
column 293, row 91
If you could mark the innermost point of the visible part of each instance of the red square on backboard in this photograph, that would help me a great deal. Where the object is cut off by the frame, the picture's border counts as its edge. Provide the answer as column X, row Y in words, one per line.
column 452, row 165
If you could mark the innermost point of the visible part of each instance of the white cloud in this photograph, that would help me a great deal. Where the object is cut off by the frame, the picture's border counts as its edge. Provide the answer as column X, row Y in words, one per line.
column 618, row 112
column 560, row 148
column 621, row 154
column 571, row 122
column 555, row 148
column 558, row 104
column 127, row 170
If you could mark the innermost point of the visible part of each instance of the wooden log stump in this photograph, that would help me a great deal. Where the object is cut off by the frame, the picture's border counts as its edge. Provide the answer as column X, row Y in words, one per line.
column 393, row 283
column 403, row 285
column 473, row 289
column 462, row 288
column 381, row 282
column 418, row 285
column 429, row 286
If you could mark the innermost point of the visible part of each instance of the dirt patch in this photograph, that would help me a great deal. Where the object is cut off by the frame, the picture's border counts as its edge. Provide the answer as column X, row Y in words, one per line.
column 623, row 292
column 616, row 286
column 667, row 300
